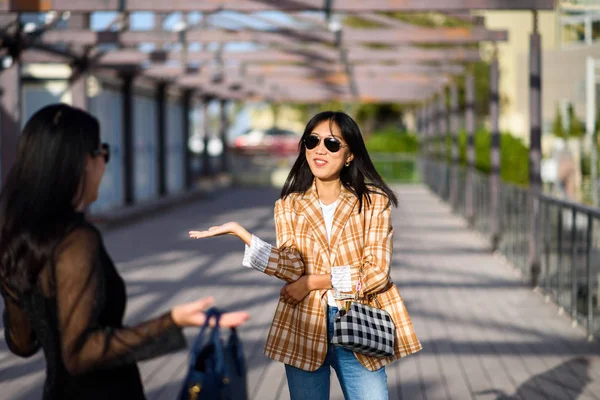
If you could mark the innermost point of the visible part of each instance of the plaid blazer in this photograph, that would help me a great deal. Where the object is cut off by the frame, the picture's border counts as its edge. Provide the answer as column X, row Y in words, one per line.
column 298, row 334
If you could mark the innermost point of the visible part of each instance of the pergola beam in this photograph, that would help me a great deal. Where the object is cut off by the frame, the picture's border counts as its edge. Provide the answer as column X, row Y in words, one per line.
column 413, row 54
column 283, row 5
column 280, row 36
column 325, row 63
column 367, row 70
column 402, row 55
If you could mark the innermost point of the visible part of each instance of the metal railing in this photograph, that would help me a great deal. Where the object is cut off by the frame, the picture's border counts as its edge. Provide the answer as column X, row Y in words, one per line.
column 570, row 257
column 569, row 237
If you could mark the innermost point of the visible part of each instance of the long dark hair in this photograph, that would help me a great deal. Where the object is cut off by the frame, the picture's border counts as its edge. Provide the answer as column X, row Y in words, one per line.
column 38, row 200
column 360, row 177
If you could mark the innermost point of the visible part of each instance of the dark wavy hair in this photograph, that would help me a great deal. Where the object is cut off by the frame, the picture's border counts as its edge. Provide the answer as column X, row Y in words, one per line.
column 38, row 200
column 360, row 177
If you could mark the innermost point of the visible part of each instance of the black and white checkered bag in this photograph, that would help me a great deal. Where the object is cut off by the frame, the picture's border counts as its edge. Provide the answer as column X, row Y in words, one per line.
column 365, row 329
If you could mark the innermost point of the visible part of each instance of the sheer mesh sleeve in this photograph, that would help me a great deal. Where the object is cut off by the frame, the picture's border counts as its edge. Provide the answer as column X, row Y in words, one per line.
column 19, row 335
column 86, row 345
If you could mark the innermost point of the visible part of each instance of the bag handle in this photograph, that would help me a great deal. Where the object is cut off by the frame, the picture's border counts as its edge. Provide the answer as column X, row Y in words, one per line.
column 210, row 313
column 215, row 339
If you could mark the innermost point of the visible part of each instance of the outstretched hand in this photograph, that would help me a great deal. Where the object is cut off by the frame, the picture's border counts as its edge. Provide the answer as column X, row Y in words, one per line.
column 192, row 314
column 230, row 228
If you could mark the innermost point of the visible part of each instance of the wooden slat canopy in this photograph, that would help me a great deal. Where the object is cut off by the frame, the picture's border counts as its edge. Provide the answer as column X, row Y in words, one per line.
column 303, row 52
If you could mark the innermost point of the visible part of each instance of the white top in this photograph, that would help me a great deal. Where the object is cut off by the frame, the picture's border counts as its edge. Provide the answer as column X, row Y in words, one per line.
column 328, row 212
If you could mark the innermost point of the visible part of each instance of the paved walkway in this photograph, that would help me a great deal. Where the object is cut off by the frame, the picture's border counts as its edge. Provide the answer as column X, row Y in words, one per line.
column 485, row 336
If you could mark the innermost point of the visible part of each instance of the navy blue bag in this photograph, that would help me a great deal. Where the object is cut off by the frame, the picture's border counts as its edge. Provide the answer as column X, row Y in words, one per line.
column 216, row 370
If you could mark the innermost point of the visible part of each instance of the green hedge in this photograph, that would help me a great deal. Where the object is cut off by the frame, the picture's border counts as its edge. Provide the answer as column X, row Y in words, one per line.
column 392, row 140
column 514, row 155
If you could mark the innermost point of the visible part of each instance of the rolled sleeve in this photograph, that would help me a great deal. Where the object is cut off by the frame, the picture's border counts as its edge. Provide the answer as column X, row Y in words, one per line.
column 341, row 281
column 257, row 254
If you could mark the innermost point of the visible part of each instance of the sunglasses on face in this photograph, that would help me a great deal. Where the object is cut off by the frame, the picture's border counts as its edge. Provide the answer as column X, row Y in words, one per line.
column 104, row 150
column 331, row 143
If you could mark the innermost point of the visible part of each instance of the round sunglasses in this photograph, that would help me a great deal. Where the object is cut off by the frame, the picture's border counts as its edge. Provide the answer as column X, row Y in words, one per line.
column 104, row 150
column 331, row 143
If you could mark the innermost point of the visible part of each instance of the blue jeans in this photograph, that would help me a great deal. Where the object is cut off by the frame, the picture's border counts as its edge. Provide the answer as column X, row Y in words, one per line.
column 357, row 382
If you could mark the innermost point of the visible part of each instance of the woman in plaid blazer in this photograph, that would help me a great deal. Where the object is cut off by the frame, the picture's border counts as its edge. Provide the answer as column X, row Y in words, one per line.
column 332, row 222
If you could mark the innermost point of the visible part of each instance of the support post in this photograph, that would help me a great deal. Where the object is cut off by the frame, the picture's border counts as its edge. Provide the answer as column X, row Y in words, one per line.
column 224, row 129
column 535, row 153
column 10, row 103
column 443, row 124
column 470, row 122
column 430, row 128
column 495, row 209
column 186, row 105
column 455, row 155
column 590, row 125
column 161, row 124
column 128, row 142
column 206, row 168
column 443, row 139
column 425, row 132
column 78, row 78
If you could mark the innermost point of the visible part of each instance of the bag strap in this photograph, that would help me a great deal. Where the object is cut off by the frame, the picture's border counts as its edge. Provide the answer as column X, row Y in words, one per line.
column 360, row 295
column 215, row 338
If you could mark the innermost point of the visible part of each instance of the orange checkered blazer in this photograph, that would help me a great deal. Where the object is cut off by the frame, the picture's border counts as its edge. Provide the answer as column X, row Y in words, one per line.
column 298, row 334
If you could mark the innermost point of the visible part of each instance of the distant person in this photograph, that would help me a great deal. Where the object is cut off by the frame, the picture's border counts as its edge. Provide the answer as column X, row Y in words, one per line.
column 332, row 222
column 61, row 289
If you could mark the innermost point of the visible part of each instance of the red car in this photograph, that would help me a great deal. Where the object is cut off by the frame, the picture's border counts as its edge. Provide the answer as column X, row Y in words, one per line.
column 273, row 141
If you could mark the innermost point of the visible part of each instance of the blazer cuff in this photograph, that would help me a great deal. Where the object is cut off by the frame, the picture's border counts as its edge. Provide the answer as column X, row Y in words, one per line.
column 257, row 254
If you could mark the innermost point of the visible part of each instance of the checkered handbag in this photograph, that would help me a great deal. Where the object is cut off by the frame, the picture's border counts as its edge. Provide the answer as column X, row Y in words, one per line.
column 364, row 329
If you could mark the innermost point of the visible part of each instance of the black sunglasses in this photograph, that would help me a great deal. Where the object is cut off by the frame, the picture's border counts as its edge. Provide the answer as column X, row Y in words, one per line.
column 103, row 150
column 331, row 143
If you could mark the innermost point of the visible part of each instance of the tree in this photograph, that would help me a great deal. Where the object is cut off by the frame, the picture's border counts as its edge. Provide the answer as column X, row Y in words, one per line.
column 576, row 128
column 557, row 126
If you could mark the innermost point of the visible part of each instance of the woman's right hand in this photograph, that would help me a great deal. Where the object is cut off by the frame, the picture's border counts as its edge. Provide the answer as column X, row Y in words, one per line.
column 192, row 314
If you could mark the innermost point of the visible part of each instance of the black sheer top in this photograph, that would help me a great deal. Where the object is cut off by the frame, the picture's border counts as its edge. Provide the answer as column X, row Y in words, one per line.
column 76, row 316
